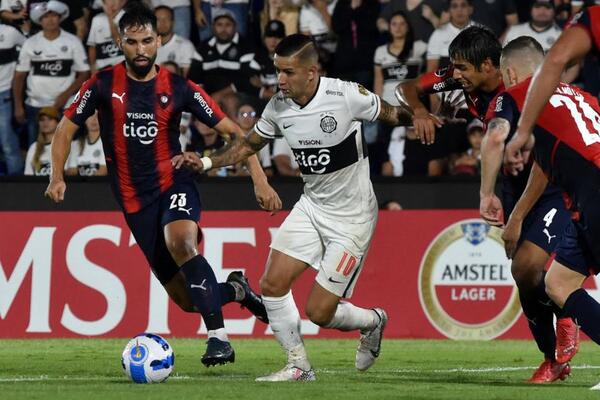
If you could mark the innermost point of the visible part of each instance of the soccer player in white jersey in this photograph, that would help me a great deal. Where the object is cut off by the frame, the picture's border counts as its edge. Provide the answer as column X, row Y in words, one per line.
column 331, row 226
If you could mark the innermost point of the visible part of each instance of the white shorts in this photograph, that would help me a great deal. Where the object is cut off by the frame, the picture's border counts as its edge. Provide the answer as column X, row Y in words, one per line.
column 335, row 248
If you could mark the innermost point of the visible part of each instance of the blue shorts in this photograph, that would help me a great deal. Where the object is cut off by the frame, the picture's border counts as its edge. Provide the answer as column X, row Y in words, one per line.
column 181, row 201
column 546, row 222
column 579, row 248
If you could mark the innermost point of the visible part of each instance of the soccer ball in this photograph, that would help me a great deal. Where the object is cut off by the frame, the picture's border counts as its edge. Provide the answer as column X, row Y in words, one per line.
column 148, row 358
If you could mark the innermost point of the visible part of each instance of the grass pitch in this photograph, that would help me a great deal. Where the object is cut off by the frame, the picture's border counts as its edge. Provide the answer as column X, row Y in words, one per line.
column 407, row 369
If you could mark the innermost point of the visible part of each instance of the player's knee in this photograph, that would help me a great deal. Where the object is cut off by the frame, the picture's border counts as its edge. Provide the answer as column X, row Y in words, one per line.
column 272, row 287
column 555, row 289
column 525, row 274
column 182, row 249
column 318, row 316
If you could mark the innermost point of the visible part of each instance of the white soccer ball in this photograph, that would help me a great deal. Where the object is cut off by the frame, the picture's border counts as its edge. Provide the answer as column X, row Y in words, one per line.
column 148, row 358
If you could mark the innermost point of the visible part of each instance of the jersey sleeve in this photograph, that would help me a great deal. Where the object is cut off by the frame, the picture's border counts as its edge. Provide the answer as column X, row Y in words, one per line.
column 201, row 105
column 363, row 104
column 266, row 126
column 80, row 61
column 438, row 81
column 24, row 61
column 589, row 19
column 503, row 106
column 29, row 160
column 92, row 39
column 85, row 102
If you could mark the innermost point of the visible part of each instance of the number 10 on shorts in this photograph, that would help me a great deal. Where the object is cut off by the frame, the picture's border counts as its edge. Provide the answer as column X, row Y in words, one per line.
column 346, row 264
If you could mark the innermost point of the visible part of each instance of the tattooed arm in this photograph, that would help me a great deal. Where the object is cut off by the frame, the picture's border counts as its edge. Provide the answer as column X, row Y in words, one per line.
column 394, row 115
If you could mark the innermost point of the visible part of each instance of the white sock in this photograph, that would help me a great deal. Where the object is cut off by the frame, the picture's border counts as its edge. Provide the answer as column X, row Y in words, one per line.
column 348, row 317
column 284, row 320
column 219, row 334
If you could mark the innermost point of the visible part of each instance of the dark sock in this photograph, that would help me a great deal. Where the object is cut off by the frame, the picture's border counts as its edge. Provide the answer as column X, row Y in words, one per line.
column 204, row 291
column 585, row 311
column 227, row 292
column 540, row 320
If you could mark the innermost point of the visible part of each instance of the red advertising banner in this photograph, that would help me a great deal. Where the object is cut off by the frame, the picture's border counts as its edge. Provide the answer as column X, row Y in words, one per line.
column 438, row 273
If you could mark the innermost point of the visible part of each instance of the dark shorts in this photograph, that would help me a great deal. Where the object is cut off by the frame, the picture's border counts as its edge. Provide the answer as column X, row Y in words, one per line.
column 181, row 201
column 546, row 222
column 578, row 250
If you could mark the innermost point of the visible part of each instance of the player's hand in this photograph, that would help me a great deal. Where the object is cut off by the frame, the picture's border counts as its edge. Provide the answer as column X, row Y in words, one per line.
column 425, row 124
column 267, row 197
column 514, row 161
column 188, row 159
column 449, row 106
column 511, row 235
column 56, row 190
column 490, row 209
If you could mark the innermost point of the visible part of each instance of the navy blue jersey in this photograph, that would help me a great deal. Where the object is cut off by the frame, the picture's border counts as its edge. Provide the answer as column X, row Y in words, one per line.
column 139, row 127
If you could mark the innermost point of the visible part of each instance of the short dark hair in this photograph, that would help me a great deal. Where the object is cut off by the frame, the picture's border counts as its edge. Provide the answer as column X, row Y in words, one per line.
column 137, row 14
column 299, row 45
column 475, row 45
column 165, row 8
column 521, row 43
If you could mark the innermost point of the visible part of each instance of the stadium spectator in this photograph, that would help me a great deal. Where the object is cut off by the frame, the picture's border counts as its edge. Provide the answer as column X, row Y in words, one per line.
column 38, row 158
column 172, row 67
column 437, row 48
column 541, row 26
column 247, row 116
column 10, row 40
column 87, row 154
column 280, row 10
column 274, row 32
column 173, row 47
column 423, row 15
column 182, row 15
column 54, row 63
column 102, row 47
column 75, row 22
column 205, row 11
column 14, row 12
column 469, row 162
column 390, row 205
column 315, row 21
column 205, row 141
column 354, row 23
column 226, row 61
column 498, row 15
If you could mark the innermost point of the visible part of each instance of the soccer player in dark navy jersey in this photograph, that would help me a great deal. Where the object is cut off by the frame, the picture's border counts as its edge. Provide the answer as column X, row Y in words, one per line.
column 139, row 107
column 566, row 152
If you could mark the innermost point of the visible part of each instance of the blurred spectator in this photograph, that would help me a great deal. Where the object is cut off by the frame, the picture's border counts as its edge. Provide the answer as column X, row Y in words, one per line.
column 541, row 26
column 10, row 40
column 247, row 116
column 53, row 62
column 354, row 23
column 468, row 163
column 498, row 15
column 205, row 141
column 14, row 12
column 394, row 164
column 182, row 15
column 283, row 158
column 102, row 46
column 280, row 10
column 437, row 49
column 577, row 5
column 38, row 158
column 87, row 154
column 315, row 21
column 204, row 11
column 173, row 47
column 390, row 205
column 171, row 66
column 423, row 15
column 274, row 32
column 226, row 61
column 75, row 22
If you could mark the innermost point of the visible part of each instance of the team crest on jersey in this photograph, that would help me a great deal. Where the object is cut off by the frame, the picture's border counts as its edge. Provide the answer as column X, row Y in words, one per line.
column 328, row 124
column 64, row 49
column 362, row 90
column 232, row 53
column 164, row 100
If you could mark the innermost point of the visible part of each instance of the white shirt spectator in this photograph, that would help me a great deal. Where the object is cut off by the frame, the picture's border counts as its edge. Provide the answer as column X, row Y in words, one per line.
column 88, row 161
column 546, row 38
column 171, row 3
column 10, row 40
column 311, row 21
column 12, row 5
column 179, row 50
column 45, row 160
column 437, row 48
column 52, row 65
column 282, row 148
column 100, row 37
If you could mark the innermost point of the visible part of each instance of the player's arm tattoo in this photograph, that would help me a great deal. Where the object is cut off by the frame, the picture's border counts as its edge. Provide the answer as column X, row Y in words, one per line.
column 238, row 149
column 394, row 115
column 499, row 125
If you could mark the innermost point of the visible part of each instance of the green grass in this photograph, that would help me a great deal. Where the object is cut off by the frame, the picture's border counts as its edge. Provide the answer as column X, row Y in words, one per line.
column 407, row 369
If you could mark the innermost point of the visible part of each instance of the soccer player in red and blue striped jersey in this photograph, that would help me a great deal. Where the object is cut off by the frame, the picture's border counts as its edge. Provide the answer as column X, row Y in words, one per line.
column 139, row 109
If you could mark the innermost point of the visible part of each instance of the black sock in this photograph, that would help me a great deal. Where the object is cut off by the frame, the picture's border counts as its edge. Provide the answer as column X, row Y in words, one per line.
column 227, row 292
column 585, row 311
column 204, row 291
column 539, row 318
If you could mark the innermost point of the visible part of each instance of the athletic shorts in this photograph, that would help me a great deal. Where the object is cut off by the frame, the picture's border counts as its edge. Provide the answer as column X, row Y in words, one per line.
column 336, row 249
column 579, row 249
column 546, row 222
column 181, row 201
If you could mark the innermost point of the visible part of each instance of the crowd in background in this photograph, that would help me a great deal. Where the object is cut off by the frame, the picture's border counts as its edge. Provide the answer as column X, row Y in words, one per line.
column 48, row 49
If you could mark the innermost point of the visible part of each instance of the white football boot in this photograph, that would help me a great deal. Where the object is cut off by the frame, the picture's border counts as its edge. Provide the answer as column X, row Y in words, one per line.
column 297, row 368
column 370, row 343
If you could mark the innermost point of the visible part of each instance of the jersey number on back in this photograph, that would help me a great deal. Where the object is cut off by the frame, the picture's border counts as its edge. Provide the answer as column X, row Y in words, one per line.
column 579, row 113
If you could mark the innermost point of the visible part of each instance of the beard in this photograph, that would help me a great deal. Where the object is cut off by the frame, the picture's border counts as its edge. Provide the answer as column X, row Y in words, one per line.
column 141, row 70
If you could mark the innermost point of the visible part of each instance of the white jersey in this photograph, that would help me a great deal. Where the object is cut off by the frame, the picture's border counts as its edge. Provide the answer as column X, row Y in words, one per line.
column 179, row 50
column 546, row 38
column 52, row 65
column 171, row 3
column 107, row 51
column 45, row 160
column 12, row 5
column 10, row 39
column 439, row 41
column 326, row 138
column 88, row 161
column 394, row 71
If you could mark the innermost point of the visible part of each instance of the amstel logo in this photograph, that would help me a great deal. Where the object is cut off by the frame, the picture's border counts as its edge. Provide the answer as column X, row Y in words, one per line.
column 465, row 284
